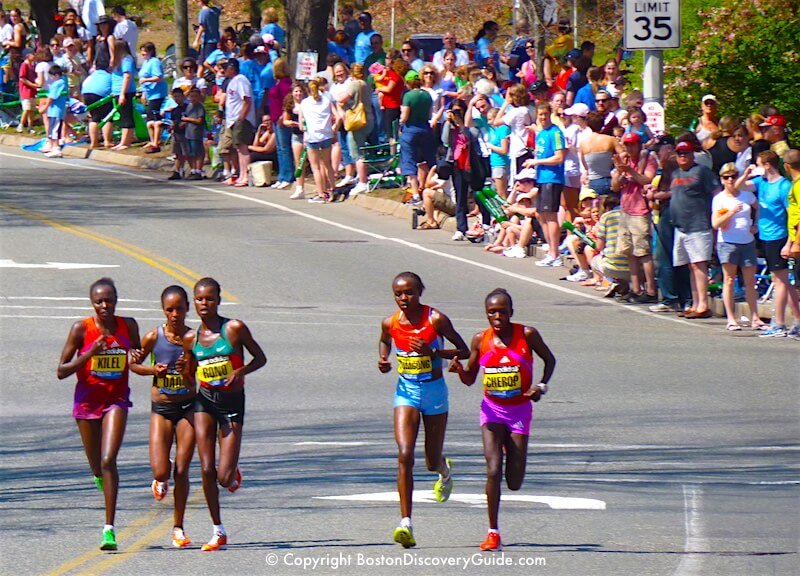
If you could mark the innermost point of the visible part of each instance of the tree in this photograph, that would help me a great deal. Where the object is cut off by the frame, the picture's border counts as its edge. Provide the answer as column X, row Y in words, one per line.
column 747, row 53
column 181, row 29
column 307, row 27
column 44, row 12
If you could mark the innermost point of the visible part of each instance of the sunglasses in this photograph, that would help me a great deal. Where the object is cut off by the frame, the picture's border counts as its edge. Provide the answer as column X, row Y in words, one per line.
column 427, row 73
column 684, row 153
column 528, row 47
column 188, row 67
column 601, row 100
column 728, row 177
column 408, row 49
column 562, row 115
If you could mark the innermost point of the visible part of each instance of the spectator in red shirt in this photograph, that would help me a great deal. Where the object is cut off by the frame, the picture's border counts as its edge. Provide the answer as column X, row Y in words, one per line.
column 27, row 92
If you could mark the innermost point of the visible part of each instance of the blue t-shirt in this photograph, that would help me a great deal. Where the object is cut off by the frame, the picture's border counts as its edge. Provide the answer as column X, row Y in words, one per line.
column 126, row 66
column 482, row 54
column 209, row 20
column 58, row 93
column 217, row 55
column 548, row 141
column 773, row 203
column 496, row 136
column 250, row 70
column 584, row 95
column 98, row 82
column 344, row 51
column 150, row 69
column 276, row 31
column 362, row 47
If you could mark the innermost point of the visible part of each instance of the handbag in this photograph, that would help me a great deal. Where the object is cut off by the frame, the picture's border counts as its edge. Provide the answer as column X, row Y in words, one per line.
column 355, row 118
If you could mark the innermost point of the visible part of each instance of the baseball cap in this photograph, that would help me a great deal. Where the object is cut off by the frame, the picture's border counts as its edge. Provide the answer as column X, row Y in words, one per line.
column 709, row 97
column 577, row 109
column 376, row 68
column 573, row 54
column 526, row 175
column 411, row 75
column 684, row 147
column 774, row 120
column 538, row 86
column 105, row 19
column 631, row 138
column 260, row 50
column 611, row 90
column 67, row 42
column 586, row 194
column 268, row 38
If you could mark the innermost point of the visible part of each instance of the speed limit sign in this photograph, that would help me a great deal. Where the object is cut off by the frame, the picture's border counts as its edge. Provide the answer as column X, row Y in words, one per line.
column 652, row 25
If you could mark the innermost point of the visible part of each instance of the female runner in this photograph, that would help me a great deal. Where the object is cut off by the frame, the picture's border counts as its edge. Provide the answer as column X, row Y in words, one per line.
column 97, row 351
column 504, row 351
column 172, row 401
column 215, row 354
column 417, row 332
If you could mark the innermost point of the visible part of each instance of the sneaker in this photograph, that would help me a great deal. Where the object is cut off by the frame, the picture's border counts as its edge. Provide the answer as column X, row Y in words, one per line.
column 645, row 298
column 159, row 489
column 441, row 489
column 280, row 185
column 547, row 261
column 414, row 201
column 360, row 188
column 662, row 308
column 346, row 181
column 98, row 482
column 175, row 176
column 54, row 154
column 492, row 542
column 194, row 176
column 458, row 236
column 515, row 251
column 218, row 542
column 19, row 129
column 557, row 263
column 794, row 332
column 298, row 194
column 774, row 331
column 179, row 538
column 317, row 200
column 236, row 483
column 404, row 536
column 109, row 541
column 579, row 276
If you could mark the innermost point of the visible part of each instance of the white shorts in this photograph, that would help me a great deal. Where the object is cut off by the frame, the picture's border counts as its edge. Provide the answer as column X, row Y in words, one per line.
column 28, row 104
column 692, row 248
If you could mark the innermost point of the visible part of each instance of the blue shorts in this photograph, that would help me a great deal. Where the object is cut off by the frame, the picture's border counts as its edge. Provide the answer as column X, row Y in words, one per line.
column 429, row 397
column 417, row 145
column 195, row 148
column 324, row 144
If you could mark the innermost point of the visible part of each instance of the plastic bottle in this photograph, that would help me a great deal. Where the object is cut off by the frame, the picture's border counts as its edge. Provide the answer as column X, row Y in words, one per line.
column 567, row 225
column 489, row 199
column 301, row 164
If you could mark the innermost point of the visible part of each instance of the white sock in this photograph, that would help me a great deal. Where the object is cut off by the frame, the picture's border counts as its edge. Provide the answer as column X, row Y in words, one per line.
column 108, row 527
column 446, row 476
column 494, row 530
column 219, row 529
column 405, row 522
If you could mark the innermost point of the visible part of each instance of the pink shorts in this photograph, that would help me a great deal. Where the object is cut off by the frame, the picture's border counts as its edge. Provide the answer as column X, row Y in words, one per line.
column 516, row 417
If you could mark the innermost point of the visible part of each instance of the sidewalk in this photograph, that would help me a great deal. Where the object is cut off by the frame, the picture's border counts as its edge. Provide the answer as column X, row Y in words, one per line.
column 375, row 203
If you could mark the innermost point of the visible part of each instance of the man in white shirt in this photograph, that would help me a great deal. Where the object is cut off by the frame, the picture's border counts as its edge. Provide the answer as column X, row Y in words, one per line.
column 126, row 29
column 240, row 120
column 90, row 12
column 449, row 41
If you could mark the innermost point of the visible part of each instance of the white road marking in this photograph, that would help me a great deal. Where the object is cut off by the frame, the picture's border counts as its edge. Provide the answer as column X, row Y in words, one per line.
column 426, row 496
column 542, row 283
column 696, row 542
column 55, row 265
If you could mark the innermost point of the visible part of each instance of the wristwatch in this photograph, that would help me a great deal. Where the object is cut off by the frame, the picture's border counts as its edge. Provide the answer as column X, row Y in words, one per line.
column 542, row 388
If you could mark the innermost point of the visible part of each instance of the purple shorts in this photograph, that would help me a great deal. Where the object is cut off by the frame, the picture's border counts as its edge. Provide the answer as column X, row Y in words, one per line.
column 88, row 411
column 516, row 417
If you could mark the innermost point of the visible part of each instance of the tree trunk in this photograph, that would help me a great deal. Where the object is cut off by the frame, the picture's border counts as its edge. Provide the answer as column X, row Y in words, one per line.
column 306, row 28
column 44, row 11
column 181, row 29
column 255, row 15
column 533, row 10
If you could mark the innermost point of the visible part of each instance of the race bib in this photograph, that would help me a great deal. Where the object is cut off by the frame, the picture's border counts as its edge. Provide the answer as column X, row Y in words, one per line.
column 109, row 365
column 214, row 371
column 171, row 383
column 502, row 381
column 414, row 364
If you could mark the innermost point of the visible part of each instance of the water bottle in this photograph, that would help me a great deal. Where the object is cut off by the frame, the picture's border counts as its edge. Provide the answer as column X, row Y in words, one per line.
column 489, row 199
column 567, row 225
column 301, row 164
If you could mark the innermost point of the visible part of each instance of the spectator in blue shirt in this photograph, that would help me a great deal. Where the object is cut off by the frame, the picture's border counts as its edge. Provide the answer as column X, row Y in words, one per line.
column 362, row 45
column 270, row 16
column 154, row 88
column 56, row 104
column 123, row 86
column 207, row 36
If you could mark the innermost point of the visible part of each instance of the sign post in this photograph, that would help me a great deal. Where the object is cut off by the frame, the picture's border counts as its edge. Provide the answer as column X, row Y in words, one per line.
column 306, row 65
column 652, row 26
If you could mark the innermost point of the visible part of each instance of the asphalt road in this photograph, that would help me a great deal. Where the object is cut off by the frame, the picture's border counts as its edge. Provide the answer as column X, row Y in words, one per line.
column 663, row 448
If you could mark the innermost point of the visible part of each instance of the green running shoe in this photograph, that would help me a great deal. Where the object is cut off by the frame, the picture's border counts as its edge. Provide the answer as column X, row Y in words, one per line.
column 109, row 540
column 98, row 482
column 404, row 536
column 441, row 489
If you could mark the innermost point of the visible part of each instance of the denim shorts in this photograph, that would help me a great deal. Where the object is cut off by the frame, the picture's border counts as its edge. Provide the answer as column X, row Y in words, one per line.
column 737, row 254
column 195, row 148
column 322, row 145
column 429, row 397
column 601, row 185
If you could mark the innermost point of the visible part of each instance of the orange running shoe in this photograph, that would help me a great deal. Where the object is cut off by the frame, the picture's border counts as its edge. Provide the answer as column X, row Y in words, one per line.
column 236, row 483
column 160, row 489
column 217, row 542
column 492, row 542
column 179, row 538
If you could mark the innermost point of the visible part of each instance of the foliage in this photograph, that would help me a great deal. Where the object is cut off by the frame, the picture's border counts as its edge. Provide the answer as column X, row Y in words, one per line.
column 746, row 52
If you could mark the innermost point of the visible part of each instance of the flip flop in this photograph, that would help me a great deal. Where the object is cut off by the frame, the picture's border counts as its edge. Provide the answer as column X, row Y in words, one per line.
column 733, row 327
column 427, row 226
column 240, row 184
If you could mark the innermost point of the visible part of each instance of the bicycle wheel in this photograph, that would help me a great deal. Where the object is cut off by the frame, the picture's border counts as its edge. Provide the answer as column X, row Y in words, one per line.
column 169, row 64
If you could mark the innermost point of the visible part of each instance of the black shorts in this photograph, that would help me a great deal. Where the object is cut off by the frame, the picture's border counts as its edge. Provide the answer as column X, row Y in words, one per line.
column 173, row 411
column 126, row 112
column 772, row 254
column 389, row 117
column 225, row 406
column 100, row 112
column 154, row 110
column 549, row 197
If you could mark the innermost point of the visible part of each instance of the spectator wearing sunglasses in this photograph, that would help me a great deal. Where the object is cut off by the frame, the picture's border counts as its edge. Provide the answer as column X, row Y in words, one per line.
column 450, row 44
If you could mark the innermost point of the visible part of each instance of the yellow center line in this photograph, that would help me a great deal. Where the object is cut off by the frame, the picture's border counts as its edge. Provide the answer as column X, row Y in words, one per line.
column 173, row 269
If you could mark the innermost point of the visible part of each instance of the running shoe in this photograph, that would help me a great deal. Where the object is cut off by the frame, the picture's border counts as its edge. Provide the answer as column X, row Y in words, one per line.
column 98, row 482
column 346, row 181
column 360, row 188
column 492, row 542
column 217, row 542
column 546, row 261
column 579, row 276
column 645, row 298
column 109, row 540
column 236, row 483
column 441, row 489
column 404, row 536
column 458, row 236
column 515, row 251
column 774, row 331
column 54, row 154
column 159, row 489
column 794, row 332
column 298, row 193
column 179, row 538
column 662, row 308
column 318, row 200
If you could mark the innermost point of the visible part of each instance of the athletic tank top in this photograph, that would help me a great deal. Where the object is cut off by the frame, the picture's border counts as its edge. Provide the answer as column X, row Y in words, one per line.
column 507, row 371
column 108, row 368
column 410, row 365
column 217, row 362
column 166, row 352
